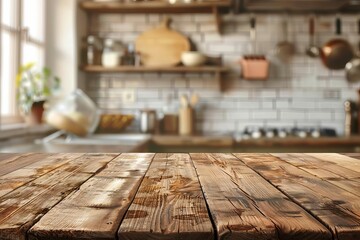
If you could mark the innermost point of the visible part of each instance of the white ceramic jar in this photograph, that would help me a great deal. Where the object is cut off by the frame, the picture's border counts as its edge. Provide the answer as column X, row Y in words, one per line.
column 110, row 57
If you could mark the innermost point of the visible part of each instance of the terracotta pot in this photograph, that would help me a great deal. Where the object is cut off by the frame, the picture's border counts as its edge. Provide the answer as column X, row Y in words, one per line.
column 36, row 113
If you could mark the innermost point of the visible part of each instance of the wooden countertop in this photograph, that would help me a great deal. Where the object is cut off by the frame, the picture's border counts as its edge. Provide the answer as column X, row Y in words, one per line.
column 296, row 141
column 228, row 141
column 179, row 196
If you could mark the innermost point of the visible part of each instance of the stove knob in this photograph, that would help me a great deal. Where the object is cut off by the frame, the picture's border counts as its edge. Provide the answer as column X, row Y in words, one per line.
column 302, row 134
column 283, row 133
column 315, row 133
column 270, row 133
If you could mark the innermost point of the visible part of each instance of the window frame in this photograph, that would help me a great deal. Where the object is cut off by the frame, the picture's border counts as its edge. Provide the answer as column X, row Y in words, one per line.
column 22, row 36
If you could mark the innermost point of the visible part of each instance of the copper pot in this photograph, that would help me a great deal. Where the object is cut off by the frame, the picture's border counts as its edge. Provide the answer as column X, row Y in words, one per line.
column 336, row 53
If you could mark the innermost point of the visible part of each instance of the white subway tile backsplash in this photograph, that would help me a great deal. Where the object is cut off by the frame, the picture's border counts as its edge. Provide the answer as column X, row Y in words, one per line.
column 248, row 105
column 135, row 18
column 304, row 104
column 264, row 115
column 221, row 48
column 302, row 92
column 319, row 115
column 204, row 18
column 238, row 115
column 292, row 115
column 147, row 94
column 282, row 104
column 267, row 105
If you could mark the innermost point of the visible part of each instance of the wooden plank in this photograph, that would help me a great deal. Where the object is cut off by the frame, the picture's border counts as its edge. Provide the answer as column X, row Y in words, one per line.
column 338, row 159
column 336, row 208
column 95, row 210
column 20, row 177
column 146, row 69
column 153, row 7
column 353, row 155
column 21, row 208
column 182, row 141
column 19, row 161
column 5, row 156
column 329, row 171
column 169, row 203
column 253, row 202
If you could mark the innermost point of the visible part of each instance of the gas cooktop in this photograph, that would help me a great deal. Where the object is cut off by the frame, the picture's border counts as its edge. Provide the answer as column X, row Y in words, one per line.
column 258, row 132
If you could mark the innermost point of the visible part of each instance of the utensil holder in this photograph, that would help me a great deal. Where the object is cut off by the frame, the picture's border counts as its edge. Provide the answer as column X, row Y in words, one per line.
column 186, row 121
column 255, row 68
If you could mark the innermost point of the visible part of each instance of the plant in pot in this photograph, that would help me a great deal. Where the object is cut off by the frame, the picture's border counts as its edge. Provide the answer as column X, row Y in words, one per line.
column 34, row 88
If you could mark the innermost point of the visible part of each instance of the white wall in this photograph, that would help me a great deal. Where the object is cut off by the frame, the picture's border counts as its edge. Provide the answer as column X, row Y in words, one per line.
column 61, row 33
column 302, row 93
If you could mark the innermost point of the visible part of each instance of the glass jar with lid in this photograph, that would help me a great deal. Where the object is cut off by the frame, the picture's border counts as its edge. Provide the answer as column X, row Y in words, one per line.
column 112, row 53
column 76, row 114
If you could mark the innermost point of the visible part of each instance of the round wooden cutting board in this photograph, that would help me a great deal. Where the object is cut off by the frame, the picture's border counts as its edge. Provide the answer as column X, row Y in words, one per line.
column 161, row 46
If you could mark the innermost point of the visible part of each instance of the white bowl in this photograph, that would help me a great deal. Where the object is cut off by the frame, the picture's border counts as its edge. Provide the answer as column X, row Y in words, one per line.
column 193, row 59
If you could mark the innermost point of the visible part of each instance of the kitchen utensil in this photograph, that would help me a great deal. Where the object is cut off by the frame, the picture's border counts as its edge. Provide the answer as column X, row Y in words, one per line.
column 254, row 67
column 148, row 121
column 313, row 50
column 184, row 101
column 170, row 123
column 285, row 50
column 194, row 100
column 186, row 121
column 352, row 68
column 351, row 118
column 336, row 53
column 161, row 46
column 193, row 59
column 76, row 114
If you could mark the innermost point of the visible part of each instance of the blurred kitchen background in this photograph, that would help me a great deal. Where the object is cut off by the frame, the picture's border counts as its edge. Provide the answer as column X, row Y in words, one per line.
column 180, row 75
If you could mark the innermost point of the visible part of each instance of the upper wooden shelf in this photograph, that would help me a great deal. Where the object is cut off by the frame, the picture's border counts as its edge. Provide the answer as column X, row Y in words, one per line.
column 143, row 69
column 155, row 7
column 217, row 71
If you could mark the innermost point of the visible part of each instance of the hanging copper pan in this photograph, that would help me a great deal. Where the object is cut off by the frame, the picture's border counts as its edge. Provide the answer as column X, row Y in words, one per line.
column 337, row 52
column 352, row 68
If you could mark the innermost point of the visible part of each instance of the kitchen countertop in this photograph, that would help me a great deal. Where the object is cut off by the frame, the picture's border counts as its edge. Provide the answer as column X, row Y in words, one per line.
column 338, row 144
column 179, row 196
column 296, row 141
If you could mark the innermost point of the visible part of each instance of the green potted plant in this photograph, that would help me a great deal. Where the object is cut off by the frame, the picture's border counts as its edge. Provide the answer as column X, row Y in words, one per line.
column 34, row 87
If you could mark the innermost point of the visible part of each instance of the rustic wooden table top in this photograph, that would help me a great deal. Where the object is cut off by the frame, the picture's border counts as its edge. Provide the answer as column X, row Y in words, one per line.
column 179, row 196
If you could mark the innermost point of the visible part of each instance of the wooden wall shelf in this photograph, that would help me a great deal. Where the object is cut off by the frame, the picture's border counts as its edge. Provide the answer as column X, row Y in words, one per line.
column 154, row 7
column 217, row 71
column 213, row 7
column 143, row 69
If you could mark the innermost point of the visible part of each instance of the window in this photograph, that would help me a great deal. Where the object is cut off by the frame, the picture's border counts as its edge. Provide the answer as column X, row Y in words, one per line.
column 22, row 40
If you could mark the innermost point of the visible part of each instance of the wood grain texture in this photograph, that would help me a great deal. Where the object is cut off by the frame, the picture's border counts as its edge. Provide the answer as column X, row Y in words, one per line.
column 179, row 196
column 169, row 203
column 153, row 7
column 161, row 46
column 331, row 172
column 17, row 161
column 353, row 155
column 23, row 207
column 23, row 175
column 95, row 210
column 335, row 207
column 4, row 157
column 338, row 159
column 224, row 175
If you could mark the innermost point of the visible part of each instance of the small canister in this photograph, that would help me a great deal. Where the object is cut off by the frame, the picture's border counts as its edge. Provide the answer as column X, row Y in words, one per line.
column 186, row 121
column 148, row 121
